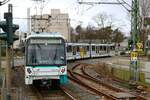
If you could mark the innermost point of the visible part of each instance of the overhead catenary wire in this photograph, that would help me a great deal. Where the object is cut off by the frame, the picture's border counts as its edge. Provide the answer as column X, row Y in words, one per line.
column 4, row 2
column 91, row 3
column 124, row 5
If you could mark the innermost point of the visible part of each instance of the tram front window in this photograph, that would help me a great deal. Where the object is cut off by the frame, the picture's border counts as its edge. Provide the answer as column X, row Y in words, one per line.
column 50, row 54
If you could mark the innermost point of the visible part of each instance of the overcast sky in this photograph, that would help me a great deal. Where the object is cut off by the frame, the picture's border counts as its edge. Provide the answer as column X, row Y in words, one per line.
column 77, row 13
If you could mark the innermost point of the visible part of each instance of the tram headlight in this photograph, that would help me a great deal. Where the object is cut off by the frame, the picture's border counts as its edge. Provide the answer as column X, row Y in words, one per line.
column 63, row 70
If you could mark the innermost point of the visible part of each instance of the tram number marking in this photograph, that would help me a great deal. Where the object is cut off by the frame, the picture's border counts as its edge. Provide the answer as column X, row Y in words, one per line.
column 43, row 41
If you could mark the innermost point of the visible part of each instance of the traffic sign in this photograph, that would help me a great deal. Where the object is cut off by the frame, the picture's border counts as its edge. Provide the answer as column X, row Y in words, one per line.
column 134, row 55
column 139, row 46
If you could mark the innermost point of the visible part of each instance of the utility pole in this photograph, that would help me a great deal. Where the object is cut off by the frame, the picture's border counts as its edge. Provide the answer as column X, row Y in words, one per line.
column 8, row 54
column 0, row 54
column 134, row 61
column 9, row 29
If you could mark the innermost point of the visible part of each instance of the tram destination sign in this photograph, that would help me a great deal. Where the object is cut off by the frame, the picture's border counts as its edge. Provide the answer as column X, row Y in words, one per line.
column 45, row 41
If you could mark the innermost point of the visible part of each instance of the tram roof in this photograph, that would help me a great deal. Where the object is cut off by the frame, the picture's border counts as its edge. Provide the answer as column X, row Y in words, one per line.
column 45, row 34
column 86, row 44
column 78, row 44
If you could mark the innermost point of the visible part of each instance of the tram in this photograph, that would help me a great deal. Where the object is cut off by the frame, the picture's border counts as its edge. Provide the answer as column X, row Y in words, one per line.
column 45, row 58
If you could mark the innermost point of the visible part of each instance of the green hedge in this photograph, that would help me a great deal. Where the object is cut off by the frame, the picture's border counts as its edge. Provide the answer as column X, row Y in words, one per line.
column 124, row 74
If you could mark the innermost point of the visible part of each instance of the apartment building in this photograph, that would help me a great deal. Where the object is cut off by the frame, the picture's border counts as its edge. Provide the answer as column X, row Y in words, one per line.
column 22, row 36
column 53, row 22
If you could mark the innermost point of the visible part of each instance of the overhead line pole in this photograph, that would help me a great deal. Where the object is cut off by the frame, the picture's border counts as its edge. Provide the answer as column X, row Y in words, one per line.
column 8, row 52
column 134, row 63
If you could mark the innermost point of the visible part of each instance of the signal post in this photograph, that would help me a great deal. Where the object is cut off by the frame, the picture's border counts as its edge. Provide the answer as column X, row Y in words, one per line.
column 9, row 29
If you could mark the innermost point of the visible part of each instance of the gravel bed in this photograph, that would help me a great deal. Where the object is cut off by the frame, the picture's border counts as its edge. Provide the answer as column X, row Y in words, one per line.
column 81, row 93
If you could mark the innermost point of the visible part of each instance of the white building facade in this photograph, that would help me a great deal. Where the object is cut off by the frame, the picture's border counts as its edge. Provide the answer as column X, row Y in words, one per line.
column 54, row 22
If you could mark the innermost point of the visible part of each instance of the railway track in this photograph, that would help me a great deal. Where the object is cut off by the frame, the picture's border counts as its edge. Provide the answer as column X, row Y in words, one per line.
column 61, row 93
column 54, row 93
column 71, row 95
column 34, row 94
column 101, row 88
column 74, row 78
column 37, row 94
column 114, row 80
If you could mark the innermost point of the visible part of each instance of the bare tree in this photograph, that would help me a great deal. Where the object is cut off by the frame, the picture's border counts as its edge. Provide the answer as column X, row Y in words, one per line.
column 79, row 30
column 103, row 20
column 144, row 12
column 118, row 36
column 145, row 7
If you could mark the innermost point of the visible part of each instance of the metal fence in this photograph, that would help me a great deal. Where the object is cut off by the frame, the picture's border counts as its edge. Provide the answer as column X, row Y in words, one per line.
column 147, row 77
column 13, row 94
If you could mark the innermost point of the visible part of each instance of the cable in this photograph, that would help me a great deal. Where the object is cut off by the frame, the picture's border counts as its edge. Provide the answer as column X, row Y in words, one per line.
column 124, row 6
column 126, row 3
column 4, row 2
column 89, row 3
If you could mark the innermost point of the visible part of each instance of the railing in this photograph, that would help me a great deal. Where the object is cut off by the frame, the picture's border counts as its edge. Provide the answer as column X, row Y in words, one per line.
column 15, row 93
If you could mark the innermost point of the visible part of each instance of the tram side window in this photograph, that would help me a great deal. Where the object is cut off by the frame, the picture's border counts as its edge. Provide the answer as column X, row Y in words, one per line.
column 74, row 50
column 112, row 47
column 69, row 49
column 148, row 44
column 104, row 48
column 107, row 49
column 93, row 48
column 78, row 49
column 97, row 49
column 85, row 49
column 101, row 48
column 88, row 49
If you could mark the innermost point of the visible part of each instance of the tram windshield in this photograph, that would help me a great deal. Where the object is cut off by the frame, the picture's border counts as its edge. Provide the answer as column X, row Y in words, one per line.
column 46, row 54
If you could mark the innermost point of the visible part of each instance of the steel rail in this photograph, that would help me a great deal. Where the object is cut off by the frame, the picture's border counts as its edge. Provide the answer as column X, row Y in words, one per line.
column 138, row 97
column 75, row 79
column 71, row 95
column 115, row 3
column 98, row 81
column 38, row 94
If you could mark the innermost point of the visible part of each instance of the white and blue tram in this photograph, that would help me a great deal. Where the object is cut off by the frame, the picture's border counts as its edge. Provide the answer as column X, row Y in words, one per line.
column 45, row 58
column 85, row 50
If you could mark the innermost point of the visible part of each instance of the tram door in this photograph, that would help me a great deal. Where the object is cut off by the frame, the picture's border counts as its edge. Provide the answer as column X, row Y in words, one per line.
column 81, row 52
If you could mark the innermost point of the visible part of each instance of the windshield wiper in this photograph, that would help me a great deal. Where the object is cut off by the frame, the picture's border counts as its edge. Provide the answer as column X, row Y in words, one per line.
column 55, row 56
